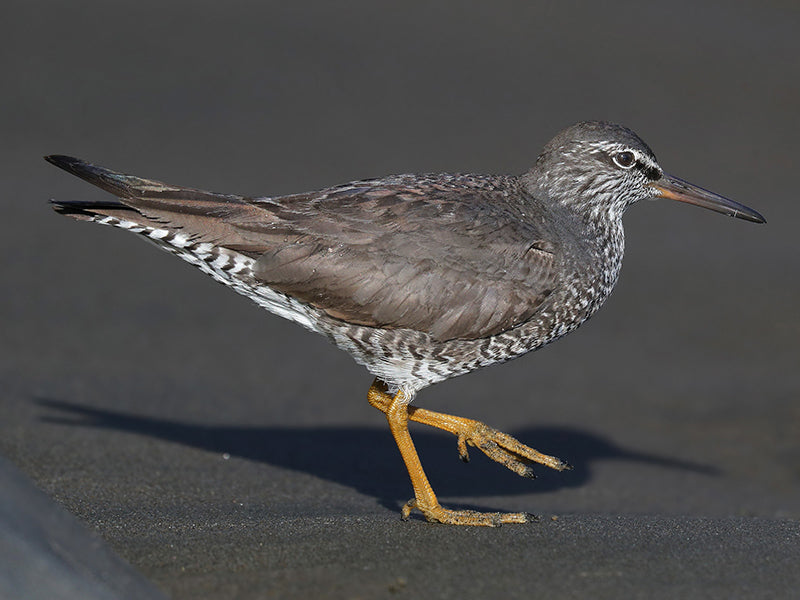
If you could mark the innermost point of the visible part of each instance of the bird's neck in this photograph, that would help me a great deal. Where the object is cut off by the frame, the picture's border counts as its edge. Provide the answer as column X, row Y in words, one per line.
column 595, row 219
column 599, row 204
column 595, row 264
column 602, row 243
column 609, row 247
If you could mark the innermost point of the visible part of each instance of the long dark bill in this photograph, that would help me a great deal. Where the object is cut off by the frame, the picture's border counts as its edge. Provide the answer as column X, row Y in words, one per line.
column 675, row 188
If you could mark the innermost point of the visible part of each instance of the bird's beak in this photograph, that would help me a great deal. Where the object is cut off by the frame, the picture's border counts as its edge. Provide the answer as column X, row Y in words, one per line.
column 675, row 188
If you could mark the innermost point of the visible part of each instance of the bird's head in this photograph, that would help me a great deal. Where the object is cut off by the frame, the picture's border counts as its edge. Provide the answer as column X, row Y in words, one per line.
column 599, row 169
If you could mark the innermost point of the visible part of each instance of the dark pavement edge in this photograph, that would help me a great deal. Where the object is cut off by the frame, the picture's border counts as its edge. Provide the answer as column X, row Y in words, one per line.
column 47, row 553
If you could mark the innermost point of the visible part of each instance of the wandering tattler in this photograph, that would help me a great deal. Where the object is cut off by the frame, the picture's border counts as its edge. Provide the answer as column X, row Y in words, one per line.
column 421, row 277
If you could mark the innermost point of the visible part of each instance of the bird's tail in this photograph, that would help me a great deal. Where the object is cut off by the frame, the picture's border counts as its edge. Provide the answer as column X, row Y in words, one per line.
column 119, row 184
column 125, row 187
column 158, row 210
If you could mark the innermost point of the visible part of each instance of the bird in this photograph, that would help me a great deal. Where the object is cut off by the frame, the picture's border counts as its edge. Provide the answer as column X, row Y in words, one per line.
column 421, row 278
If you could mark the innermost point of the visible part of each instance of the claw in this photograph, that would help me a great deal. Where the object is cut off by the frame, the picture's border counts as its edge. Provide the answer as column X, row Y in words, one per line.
column 462, row 448
column 506, row 450
column 509, row 451
column 405, row 512
column 531, row 518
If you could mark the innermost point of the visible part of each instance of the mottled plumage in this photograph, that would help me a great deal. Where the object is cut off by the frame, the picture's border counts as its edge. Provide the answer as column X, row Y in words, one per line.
column 418, row 277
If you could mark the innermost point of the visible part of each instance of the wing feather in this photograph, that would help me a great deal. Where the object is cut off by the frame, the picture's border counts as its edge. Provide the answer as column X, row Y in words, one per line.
column 455, row 263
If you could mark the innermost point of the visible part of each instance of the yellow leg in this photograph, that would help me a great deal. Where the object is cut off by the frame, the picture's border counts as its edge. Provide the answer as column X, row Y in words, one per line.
column 497, row 445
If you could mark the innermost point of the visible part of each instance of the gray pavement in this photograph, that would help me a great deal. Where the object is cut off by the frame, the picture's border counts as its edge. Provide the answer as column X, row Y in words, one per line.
column 225, row 453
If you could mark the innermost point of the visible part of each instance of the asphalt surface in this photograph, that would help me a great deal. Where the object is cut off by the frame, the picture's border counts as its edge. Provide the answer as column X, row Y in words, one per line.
column 225, row 453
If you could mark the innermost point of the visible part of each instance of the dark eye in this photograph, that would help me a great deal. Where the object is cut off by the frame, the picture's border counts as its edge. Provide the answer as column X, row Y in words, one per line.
column 624, row 159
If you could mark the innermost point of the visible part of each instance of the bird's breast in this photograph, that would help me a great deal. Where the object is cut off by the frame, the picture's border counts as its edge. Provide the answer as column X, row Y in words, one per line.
column 587, row 275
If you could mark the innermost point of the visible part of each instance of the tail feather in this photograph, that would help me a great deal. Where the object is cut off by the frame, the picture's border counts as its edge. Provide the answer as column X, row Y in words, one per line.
column 91, row 211
column 119, row 184
column 129, row 187
column 205, row 216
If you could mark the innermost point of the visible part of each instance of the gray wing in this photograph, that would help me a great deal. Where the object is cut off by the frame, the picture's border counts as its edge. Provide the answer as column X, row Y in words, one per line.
column 446, row 255
column 452, row 261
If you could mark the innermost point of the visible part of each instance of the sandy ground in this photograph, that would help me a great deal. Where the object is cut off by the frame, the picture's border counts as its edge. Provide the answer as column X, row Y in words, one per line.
column 225, row 453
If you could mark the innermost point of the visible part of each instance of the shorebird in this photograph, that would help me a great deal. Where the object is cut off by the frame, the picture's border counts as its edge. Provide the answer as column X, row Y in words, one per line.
column 421, row 277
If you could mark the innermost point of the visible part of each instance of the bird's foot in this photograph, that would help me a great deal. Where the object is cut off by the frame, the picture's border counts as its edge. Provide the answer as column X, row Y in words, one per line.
column 437, row 514
column 499, row 446
column 503, row 448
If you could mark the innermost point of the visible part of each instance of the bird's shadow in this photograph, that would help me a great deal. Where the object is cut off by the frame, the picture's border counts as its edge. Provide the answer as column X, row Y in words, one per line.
column 361, row 457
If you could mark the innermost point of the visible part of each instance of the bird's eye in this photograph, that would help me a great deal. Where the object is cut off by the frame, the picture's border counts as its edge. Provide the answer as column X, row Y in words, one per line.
column 624, row 159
